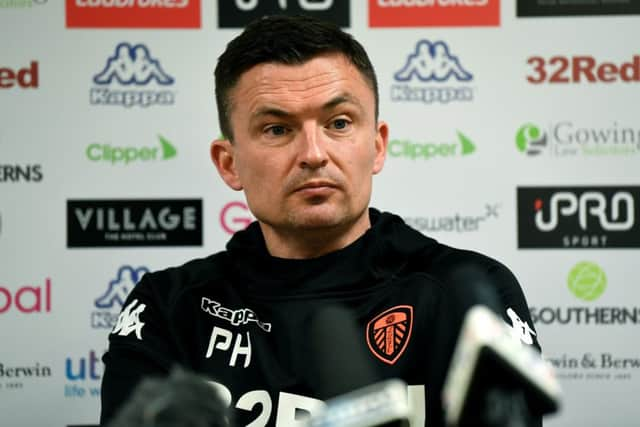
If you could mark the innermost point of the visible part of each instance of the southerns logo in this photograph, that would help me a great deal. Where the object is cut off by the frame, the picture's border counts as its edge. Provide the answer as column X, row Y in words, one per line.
column 565, row 139
column 114, row 154
column 238, row 317
column 429, row 63
column 238, row 13
column 434, row 13
column 129, row 320
column 20, row 4
column 388, row 333
column 578, row 217
column 133, row 13
column 426, row 151
column 579, row 69
column 20, row 173
column 14, row 377
column 111, row 301
column 566, row 8
column 587, row 282
column 144, row 222
column 84, row 374
column 235, row 216
column 132, row 65
column 454, row 223
column 24, row 78
column 27, row 299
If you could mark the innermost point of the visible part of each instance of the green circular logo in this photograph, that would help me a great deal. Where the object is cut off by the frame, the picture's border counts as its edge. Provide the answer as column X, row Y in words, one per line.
column 530, row 139
column 587, row 281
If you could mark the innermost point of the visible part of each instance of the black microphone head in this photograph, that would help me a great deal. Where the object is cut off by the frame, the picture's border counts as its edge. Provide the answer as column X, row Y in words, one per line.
column 183, row 399
column 337, row 354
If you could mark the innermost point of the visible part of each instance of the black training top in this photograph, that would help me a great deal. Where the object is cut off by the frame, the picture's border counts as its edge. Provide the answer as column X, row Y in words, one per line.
column 240, row 318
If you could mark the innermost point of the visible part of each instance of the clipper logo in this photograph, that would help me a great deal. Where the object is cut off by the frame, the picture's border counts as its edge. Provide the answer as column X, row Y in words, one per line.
column 129, row 320
column 114, row 297
column 132, row 65
column 238, row 317
column 568, row 217
column 388, row 333
column 432, row 63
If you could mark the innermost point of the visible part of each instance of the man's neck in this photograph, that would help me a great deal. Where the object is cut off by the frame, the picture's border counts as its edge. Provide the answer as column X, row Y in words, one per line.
column 305, row 243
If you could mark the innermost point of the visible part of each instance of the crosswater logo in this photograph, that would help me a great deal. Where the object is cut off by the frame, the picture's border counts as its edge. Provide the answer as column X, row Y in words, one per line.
column 561, row 69
column 20, row 172
column 109, row 304
column 132, row 65
column 107, row 153
column 428, row 150
column 235, row 216
column 134, row 222
column 578, row 217
column 83, row 376
column 24, row 78
column 567, row 139
column 20, row 4
column 238, row 13
column 456, row 222
column 28, row 299
column 587, row 282
column 430, row 68
column 133, row 13
column 434, row 13
column 577, row 8
column 18, row 377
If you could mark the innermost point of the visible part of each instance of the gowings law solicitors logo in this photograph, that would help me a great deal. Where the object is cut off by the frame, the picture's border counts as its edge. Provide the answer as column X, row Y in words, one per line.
column 432, row 74
column 434, row 13
column 124, row 155
column 456, row 222
column 577, row 7
column 568, row 139
column 238, row 13
column 586, row 281
column 17, row 377
column 579, row 217
column 132, row 66
column 429, row 150
column 129, row 222
column 133, row 13
column 110, row 302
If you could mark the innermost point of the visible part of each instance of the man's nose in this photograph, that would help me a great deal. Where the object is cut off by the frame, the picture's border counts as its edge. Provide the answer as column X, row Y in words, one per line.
column 313, row 153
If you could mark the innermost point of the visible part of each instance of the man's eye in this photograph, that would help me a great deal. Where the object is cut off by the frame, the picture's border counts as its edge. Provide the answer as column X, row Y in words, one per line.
column 340, row 124
column 276, row 130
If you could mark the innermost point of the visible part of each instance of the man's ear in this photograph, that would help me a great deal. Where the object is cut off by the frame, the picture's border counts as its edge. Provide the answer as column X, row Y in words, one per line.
column 223, row 156
column 382, row 140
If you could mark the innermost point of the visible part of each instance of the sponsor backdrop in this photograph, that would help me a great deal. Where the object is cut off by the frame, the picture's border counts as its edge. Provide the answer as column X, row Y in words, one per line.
column 514, row 131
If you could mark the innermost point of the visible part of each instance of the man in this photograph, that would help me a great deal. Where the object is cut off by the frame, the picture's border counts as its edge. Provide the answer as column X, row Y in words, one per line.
column 298, row 107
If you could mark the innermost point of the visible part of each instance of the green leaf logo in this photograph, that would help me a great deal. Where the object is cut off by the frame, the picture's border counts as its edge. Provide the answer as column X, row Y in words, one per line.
column 168, row 150
column 467, row 146
column 587, row 281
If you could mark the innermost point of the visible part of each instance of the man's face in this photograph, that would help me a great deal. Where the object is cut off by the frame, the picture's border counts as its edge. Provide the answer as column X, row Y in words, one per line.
column 306, row 144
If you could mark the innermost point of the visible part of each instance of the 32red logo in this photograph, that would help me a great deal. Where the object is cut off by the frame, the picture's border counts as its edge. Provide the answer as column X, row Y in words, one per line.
column 388, row 333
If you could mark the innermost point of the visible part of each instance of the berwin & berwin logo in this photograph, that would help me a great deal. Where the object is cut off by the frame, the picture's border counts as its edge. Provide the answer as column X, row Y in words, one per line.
column 579, row 217
column 129, row 222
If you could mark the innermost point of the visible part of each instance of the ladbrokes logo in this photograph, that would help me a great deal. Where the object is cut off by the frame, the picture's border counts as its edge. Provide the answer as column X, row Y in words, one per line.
column 433, row 13
column 133, row 13
column 427, row 150
column 147, row 222
column 132, row 65
column 24, row 78
column 109, row 304
column 578, row 217
column 388, row 333
column 568, row 139
column 111, row 154
column 456, row 222
column 581, row 69
column 432, row 65
column 238, row 13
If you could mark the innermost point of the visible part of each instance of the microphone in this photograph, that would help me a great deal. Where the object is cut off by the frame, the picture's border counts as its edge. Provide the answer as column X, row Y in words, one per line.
column 347, row 379
column 183, row 399
column 493, row 380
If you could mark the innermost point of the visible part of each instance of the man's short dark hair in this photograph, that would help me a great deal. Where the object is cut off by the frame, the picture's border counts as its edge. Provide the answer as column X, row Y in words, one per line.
column 290, row 40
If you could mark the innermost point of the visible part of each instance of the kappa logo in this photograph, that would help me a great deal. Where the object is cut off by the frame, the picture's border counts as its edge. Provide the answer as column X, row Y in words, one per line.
column 388, row 333
column 129, row 320
column 432, row 61
column 520, row 330
column 238, row 317
column 132, row 65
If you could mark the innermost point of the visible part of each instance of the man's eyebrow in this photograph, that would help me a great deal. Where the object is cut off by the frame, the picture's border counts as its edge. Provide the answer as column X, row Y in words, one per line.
column 342, row 99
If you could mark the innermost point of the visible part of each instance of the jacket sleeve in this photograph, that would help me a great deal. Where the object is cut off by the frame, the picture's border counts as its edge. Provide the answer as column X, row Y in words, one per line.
column 139, row 346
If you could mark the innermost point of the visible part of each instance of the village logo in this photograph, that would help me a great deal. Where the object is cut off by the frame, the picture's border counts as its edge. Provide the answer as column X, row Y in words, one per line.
column 239, row 13
column 388, row 333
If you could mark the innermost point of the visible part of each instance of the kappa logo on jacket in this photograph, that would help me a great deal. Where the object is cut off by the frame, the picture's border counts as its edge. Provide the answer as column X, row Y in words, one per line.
column 129, row 320
column 388, row 333
column 521, row 330
column 238, row 317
